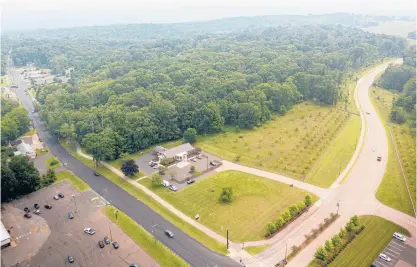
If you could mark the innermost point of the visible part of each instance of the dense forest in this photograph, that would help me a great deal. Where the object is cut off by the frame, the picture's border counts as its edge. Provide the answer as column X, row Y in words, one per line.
column 126, row 93
column 402, row 78
column 14, row 121
column 412, row 35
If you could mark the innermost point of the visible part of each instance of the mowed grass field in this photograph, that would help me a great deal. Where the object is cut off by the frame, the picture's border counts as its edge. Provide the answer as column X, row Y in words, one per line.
column 367, row 246
column 256, row 201
column 393, row 190
column 79, row 184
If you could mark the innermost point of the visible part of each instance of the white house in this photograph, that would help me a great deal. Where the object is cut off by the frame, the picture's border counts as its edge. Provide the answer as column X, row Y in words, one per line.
column 179, row 152
column 5, row 236
column 25, row 149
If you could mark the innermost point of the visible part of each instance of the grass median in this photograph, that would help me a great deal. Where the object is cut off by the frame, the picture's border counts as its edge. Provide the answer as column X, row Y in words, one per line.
column 163, row 255
column 52, row 163
column 198, row 235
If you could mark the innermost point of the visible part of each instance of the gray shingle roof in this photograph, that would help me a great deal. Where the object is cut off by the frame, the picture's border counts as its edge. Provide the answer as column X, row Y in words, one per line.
column 170, row 153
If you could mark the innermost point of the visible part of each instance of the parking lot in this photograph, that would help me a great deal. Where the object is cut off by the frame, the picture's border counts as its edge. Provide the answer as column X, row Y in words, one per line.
column 401, row 254
column 57, row 236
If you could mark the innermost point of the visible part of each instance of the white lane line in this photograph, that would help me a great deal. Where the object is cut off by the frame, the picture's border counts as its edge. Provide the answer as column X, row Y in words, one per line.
column 397, row 244
column 393, row 251
column 391, row 246
column 392, row 256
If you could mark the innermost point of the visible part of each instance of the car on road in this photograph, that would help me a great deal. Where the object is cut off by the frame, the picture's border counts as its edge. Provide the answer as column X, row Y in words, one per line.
column 169, row 233
column 212, row 163
column 56, row 197
column 61, row 195
column 379, row 158
column 37, row 212
column 70, row 215
column 89, row 231
column 96, row 174
column 384, row 257
column 48, row 206
column 173, row 188
column 191, row 181
column 70, row 258
column 106, row 240
column 115, row 245
column 399, row 236
column 27, row 215
column 36, row 206
column 101, row 244
column 368, row 113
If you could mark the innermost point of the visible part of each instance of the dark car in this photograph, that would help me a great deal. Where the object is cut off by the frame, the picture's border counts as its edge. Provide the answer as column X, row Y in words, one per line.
column 379, row 158
column 36, row 206
column 70, row 215
column 48, row 207
column 106, row 240
column 28, row 215
column 26, row 209
column 212, row 163
column 115, row 245
column 169, row 233
column 70, row 258
column 61, row 195
column 190, row 181
column 96, row 174
column 101, row 244
column 133, row 265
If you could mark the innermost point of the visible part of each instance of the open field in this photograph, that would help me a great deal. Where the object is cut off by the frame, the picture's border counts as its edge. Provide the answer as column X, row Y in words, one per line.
column 150, row 202
column 49, row 163
column 256, row 250
column 398, row 28
column 253, row 197
column 289, row 144
column 156, row 250
column 367, row 246
column 393, row 191
column 79, row 184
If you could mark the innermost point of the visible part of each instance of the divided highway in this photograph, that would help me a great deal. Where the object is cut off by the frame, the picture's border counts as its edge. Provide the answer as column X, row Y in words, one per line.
column 183, row 245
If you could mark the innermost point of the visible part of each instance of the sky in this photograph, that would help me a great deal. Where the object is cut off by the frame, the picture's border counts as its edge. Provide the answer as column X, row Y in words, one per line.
column 32, row 14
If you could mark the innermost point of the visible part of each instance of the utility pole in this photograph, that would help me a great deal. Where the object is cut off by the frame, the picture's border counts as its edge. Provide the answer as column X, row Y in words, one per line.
column 154, row 238
column 338, row 205
column 227, row 238
column 116, row 214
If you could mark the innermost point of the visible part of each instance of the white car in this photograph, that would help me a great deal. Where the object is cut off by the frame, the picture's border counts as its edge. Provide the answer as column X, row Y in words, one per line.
column 56, row 197
column 89, row 231
column 384, row 257
column 173, row 188
column 399, row 236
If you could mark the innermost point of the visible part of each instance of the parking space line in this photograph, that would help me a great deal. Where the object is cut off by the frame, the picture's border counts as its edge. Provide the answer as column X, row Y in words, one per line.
column 393, row 251
column 391, row 246
column 382, row 263
column 390, row 254
column 397, row 244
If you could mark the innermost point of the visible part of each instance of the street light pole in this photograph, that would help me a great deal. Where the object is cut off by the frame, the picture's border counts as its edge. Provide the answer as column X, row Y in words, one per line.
column 116, row 214
column 338, row 205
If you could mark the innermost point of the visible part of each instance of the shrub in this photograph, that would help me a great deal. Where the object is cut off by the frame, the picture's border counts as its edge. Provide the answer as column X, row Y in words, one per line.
column 336, row 241
column 226, row 195
column 328, row 245
column 279, row 223
column 293, row 210
column 156, row 180
column 271, row 228
column 53, row 162
column 321, row 253
column 161, row 170
column 167, row 161
column 286, row 216
column 342, row 232
column 307, row 200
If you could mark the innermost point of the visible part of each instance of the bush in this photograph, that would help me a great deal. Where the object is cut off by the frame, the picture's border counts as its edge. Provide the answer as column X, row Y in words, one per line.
column 53, row 162
column 226, row 195
column 156, row 180
column 307, row 200
column 270, row 227
column 161, row 170
column 279, row 223
column 321, row 253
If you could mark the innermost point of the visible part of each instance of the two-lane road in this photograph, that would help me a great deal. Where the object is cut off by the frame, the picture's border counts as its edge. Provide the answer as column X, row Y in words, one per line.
column 183, row 245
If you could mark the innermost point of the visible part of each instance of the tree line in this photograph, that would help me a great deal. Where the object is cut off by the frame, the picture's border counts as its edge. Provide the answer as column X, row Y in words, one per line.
column 14, row 121
column 125, row 96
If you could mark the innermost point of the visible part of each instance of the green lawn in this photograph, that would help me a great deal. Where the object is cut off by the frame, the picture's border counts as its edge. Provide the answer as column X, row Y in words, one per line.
column 163, row 255
column 393, row 191
column 256, row 250
column 79, row 184
column 150, row 202
column 39, row 152
column 253, row 197
column 367, row 246
column 49, row 161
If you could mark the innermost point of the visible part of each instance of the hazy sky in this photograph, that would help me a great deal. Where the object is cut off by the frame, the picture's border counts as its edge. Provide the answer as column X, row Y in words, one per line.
column 30, row 14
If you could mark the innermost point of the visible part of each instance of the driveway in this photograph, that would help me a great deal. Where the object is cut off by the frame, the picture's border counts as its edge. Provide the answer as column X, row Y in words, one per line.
column 143, row 163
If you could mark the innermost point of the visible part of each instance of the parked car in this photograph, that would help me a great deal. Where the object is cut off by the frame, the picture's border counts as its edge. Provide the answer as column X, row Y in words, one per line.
column 368, row 113
column 27, row 215
column 56, row 197
column 399, row 236
column 173, row 188
column 37, row 212
column 89, row 231
column 70, row 258
column 155, row 166
column 133, row 265
column 61, row 195
column 212, row 163
column 115, row 245
column 384, row 257
column 191, row 181
column 199, row 157
column 48, row 206
column 101, row 244
column 96, row 174
column 70, row 215
column 379, row 158
column 26, row 209
column 106, row 240
column 193, row 159
column 165, row 183
column 36, row 206
column 169, row 233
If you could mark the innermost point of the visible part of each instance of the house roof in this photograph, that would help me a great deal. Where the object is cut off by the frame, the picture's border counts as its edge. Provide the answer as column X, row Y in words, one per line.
column 24, row 148
column 5, row 237
column 170, row 153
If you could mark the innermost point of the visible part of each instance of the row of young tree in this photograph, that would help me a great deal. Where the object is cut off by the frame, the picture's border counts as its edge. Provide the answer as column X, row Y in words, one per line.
column 152, row 91
column 402, row 78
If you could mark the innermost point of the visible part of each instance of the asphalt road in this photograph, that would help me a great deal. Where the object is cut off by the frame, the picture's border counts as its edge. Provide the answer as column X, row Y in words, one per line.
column 183, row 245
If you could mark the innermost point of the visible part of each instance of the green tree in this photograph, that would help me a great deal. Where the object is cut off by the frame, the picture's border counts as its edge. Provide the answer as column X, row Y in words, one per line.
column 286, row 215
column 9, row 183
column 47, row 179
column 328, row 245
column 156, row 179
column 336, row 241
column 279, row 223
column 293, row 210
column 342, row 232
column 307, row 200
column 129, row 167
column 101, row 146
column 226, row 195
column 58, row 64
column 355, row 220
column 190, row 135
column 270, row 227
column 321, row 253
